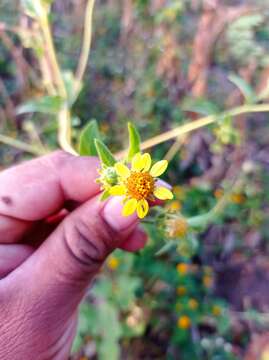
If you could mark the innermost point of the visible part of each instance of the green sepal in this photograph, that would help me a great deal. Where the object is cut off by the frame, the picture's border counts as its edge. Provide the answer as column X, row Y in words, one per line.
column 104, row 153
column 105, row 195
column 134, row 141
column 86, row 143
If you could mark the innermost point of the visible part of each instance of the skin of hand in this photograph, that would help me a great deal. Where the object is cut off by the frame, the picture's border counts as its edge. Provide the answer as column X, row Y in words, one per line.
column 54, row 237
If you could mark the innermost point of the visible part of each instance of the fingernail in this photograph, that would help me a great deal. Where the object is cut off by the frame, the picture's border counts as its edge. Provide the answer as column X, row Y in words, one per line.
column 112, row 214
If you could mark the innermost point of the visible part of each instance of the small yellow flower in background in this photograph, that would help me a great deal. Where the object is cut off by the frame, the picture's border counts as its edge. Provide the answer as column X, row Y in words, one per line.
column 208, row 281
column 174, row 206
column 216, row 310
column 184, row 322
column 193, row 304
column 177, row 227
column 218, row 193
column 181, row 290
column 138, row 184
column 112, row 263
column 237, row 198
column 182, row 268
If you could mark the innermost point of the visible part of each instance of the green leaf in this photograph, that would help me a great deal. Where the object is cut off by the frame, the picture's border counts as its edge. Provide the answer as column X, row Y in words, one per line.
column 200, row 106
column 104, row 153
column 134, row 141
column 45, row 104
column 86, row 142
column 110, row 330
column 244, row 87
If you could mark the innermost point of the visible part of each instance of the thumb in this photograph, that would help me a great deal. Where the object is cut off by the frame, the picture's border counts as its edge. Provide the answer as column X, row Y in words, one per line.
column 60, row 270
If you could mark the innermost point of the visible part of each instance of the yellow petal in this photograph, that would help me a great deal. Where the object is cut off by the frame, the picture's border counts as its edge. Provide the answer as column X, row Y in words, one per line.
column 159, row 168
column 163, row 193
column 146, row 161
column 142, row 208
column 136, row 162
column 129, row 207
column 117, row 190
column 122, row 170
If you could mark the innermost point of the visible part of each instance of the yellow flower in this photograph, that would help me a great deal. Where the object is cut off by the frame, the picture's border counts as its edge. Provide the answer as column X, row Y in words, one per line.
column 177, row 227
column 112, row 263
column 216, row 310
column 184, row 322
column 193, row 304
column 218, row 193
column 237, row 198
column 208, row 281
column 182, row 268
column 174, row 206
column 181, row 290
column 138, row 184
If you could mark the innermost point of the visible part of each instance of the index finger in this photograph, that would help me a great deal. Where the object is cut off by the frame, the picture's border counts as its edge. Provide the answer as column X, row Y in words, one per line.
column 38, row 188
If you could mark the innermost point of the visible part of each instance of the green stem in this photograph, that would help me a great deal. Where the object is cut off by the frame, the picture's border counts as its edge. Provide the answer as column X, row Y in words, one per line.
column 212, row 215
column 21, row 145
column 194, row 125
column 46, row 30
column 86, row 46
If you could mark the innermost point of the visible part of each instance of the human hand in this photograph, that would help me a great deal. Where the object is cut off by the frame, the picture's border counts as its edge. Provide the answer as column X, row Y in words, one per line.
column 54, row 236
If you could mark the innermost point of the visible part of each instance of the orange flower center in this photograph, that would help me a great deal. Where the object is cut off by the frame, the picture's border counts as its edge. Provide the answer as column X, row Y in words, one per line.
column 140, row 185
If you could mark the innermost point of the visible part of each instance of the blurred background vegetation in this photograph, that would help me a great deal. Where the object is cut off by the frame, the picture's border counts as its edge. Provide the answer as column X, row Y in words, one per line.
column 159, row 64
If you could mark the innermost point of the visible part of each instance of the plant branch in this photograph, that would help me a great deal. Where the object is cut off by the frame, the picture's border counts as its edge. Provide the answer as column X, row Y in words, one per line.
column 46, row 31
column 64, row 132
column 194, row 125
column 21, row 145
column 86, row 45
column 212, row 215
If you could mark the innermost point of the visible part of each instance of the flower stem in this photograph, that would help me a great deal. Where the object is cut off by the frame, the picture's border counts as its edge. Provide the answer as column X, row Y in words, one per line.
column 211, row 216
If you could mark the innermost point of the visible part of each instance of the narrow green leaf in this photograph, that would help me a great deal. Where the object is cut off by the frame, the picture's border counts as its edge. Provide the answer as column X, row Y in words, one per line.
column 86, row 142
column 134, row 141
column 45, row 104
column 244, row 87
column 104, row 153
column 200, row 106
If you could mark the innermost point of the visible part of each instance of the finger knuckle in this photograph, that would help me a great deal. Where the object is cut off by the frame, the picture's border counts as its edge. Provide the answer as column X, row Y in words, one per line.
column 86, row 241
